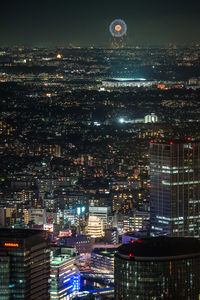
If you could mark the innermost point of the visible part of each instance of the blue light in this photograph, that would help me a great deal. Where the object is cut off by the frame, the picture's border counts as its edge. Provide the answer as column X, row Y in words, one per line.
column 76, row 282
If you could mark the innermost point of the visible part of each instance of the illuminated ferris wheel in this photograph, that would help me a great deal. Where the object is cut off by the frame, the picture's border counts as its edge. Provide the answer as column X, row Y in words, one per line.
column 118, row 29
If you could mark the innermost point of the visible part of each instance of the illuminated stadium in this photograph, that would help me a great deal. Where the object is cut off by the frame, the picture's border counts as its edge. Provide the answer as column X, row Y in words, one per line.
column 118, row 82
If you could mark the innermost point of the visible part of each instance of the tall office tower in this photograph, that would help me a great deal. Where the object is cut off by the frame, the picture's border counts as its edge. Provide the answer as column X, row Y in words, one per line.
column 158, row 268
column 175, row 188
column 25, row 264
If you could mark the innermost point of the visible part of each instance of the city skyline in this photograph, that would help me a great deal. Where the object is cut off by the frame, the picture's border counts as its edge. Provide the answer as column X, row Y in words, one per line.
column 100, row 150
column 87, row 23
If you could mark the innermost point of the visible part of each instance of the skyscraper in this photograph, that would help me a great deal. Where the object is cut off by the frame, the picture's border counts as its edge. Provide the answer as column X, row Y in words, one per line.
column 175, row 188
column 158, row 268
column 25, row 264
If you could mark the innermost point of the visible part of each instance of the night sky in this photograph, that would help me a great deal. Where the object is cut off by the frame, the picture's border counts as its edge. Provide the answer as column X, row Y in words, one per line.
column 85, row 22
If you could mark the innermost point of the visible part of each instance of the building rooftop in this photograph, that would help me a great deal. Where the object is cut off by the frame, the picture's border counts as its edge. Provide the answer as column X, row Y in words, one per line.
column 60, row 259
column 18, row 233
column 171, row 142
column 109, row 252
column 160, row 247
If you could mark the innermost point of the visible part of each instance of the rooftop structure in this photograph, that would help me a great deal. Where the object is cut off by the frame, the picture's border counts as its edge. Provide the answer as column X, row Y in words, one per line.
column 158, row 268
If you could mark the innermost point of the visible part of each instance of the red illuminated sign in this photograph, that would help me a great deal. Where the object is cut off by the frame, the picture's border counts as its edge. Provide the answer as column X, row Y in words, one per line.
column 9, row 244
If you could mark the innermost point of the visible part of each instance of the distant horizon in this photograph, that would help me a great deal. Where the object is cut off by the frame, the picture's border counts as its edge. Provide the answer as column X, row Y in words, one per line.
column 49, row 24
column 60, row 46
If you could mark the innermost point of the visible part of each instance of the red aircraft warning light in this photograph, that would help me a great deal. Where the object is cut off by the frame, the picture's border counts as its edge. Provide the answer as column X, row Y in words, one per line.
column 171, row 143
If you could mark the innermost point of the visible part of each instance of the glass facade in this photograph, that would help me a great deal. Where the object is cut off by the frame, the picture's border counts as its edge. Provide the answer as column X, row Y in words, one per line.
column 102, row 263
column 4, row 278
column 24, row 265
column 175, row 188
column 171, row 279
column 65, row 277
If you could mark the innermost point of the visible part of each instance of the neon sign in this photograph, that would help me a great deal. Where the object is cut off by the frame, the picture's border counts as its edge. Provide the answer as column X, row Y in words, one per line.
column 9, row 244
